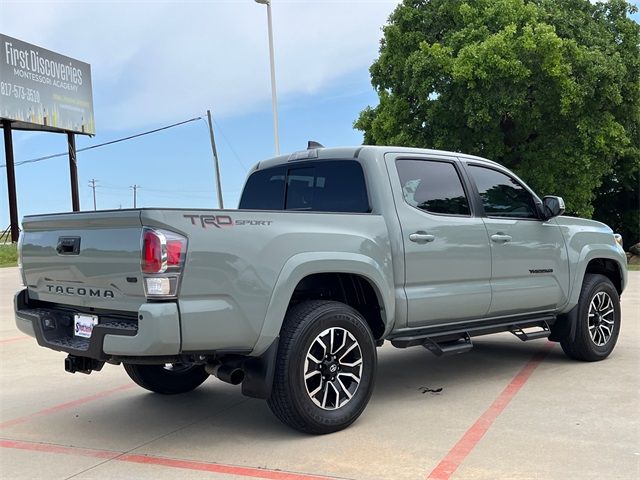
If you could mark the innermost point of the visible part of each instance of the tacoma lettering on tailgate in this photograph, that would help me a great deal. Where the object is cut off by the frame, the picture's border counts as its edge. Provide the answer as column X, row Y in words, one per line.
column 80, row 291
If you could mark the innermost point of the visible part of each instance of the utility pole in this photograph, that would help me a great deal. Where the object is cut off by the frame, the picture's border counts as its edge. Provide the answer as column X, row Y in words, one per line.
column 135, row 191
column 215, row 160
column 92, row 184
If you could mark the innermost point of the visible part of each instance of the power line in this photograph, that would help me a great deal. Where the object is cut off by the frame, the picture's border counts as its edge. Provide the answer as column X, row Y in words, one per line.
column 112, row 187
column 150, row 195
column 109, row 186
column 111, row 142
column 178, row 196
column 228, row 142
column 175, row 191
column 233, row 150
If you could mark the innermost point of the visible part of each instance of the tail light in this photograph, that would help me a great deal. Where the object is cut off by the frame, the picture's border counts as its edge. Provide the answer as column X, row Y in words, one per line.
column 163, row 256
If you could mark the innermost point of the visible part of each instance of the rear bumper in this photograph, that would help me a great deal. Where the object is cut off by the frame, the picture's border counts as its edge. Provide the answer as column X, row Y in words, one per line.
column 154, row 331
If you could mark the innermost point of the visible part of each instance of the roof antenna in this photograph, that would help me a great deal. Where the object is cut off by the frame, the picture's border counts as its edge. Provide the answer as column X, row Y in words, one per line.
column 313, row 144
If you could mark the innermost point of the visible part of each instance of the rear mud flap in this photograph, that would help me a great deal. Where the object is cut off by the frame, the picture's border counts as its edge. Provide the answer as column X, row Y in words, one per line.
column 259, row 371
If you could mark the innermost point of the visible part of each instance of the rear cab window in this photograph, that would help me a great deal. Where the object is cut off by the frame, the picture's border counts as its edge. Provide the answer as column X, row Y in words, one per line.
column 321, row 186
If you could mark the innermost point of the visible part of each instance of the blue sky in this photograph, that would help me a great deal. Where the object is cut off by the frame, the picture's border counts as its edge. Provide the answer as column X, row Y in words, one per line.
column 155, row 63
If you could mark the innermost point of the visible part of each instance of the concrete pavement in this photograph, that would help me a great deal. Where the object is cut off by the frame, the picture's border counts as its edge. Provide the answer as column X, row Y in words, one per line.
column 507, row 409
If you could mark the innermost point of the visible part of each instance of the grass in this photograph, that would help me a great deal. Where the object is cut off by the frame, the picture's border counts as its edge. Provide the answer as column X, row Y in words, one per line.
column 8, row 255
column 633, row 268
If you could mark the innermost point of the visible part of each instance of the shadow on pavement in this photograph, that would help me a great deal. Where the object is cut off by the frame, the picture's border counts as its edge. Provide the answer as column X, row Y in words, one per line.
column 217, row 407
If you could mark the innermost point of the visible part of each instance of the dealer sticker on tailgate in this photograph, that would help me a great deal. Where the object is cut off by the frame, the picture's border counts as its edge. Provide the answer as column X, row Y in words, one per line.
column 83, row 325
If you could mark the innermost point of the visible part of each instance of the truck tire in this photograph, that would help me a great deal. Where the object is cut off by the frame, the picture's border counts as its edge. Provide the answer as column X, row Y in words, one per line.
column 325, row 367
column 597, row 321
column 167, row 379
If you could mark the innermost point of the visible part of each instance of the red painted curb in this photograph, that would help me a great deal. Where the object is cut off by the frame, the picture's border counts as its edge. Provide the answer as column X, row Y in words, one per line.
column 218, row 468
column 160, row 461
column 449, row 464
column 13, row 339
column 61, row 449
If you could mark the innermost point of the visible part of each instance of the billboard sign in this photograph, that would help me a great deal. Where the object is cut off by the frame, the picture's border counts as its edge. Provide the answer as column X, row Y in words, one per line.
column 42, row 90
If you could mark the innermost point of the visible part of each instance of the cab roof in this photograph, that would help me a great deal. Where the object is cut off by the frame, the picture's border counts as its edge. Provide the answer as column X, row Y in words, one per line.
column 345, row 153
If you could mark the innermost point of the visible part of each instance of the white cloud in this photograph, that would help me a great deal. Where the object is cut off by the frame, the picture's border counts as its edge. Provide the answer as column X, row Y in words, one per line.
column 154, row 62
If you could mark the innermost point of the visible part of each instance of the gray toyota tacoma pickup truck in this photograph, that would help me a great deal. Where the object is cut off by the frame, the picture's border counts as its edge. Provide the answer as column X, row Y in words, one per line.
column 331, row 252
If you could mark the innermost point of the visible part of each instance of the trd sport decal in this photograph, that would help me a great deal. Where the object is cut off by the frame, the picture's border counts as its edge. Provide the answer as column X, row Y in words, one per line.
column 217, row 221
column 220, row 221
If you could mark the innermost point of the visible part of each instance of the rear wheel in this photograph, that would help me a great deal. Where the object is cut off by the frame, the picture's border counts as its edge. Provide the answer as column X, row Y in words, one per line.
column 167, row 379
column 597, row 322
column 325, row 369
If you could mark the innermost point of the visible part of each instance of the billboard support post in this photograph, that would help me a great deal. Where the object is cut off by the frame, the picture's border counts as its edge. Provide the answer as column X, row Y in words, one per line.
column 11, row 181
column 73, row 171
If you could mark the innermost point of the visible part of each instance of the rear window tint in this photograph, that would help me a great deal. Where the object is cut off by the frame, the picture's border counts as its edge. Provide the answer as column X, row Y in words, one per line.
column 264, row 190
column 501, row 195
column 432, row 186
column 332, row 186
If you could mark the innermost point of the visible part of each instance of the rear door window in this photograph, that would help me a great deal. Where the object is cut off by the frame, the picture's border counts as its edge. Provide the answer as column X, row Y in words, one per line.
column 432, row 186
column 329, row 186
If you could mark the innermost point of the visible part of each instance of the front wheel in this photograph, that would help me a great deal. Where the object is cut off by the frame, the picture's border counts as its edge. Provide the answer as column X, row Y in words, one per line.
column 325, row 369
column 167, row 379
column 597, row 322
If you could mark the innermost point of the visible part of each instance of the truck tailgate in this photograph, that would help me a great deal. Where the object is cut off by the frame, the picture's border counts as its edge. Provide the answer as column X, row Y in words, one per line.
column 84, row 259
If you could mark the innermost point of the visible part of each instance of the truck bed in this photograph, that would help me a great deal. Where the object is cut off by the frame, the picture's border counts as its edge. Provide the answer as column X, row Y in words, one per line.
column 234, row 259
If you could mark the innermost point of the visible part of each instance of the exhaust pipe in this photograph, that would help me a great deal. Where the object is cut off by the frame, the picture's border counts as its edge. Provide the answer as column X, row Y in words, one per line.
column 226, row 373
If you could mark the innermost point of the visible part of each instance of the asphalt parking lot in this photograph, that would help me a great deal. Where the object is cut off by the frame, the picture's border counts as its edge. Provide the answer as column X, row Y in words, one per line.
column 507, row 409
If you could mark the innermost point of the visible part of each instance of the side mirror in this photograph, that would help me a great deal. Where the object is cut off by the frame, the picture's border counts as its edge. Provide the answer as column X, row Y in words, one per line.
column 552, row 206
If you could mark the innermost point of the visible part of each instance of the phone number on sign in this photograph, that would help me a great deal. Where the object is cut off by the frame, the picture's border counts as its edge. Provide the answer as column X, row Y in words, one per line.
column 18, row 91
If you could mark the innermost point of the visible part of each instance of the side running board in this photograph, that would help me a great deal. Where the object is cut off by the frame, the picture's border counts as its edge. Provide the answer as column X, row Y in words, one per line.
column 542, row 331
column 437, row 346
column 446, row 342
column 461, row 345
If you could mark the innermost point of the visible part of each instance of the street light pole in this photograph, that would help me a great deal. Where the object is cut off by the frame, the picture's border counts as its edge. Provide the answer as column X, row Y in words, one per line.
column 274, row 100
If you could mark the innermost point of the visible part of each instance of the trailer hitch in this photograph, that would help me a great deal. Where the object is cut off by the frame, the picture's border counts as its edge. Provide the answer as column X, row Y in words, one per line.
column 73, row 364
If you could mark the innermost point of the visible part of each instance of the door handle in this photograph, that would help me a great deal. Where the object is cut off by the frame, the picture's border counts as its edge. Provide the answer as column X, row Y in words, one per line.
column 421, row 237
column 500, row 238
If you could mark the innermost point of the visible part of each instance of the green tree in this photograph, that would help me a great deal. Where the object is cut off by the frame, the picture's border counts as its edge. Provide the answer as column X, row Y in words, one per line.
column 550, row 88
